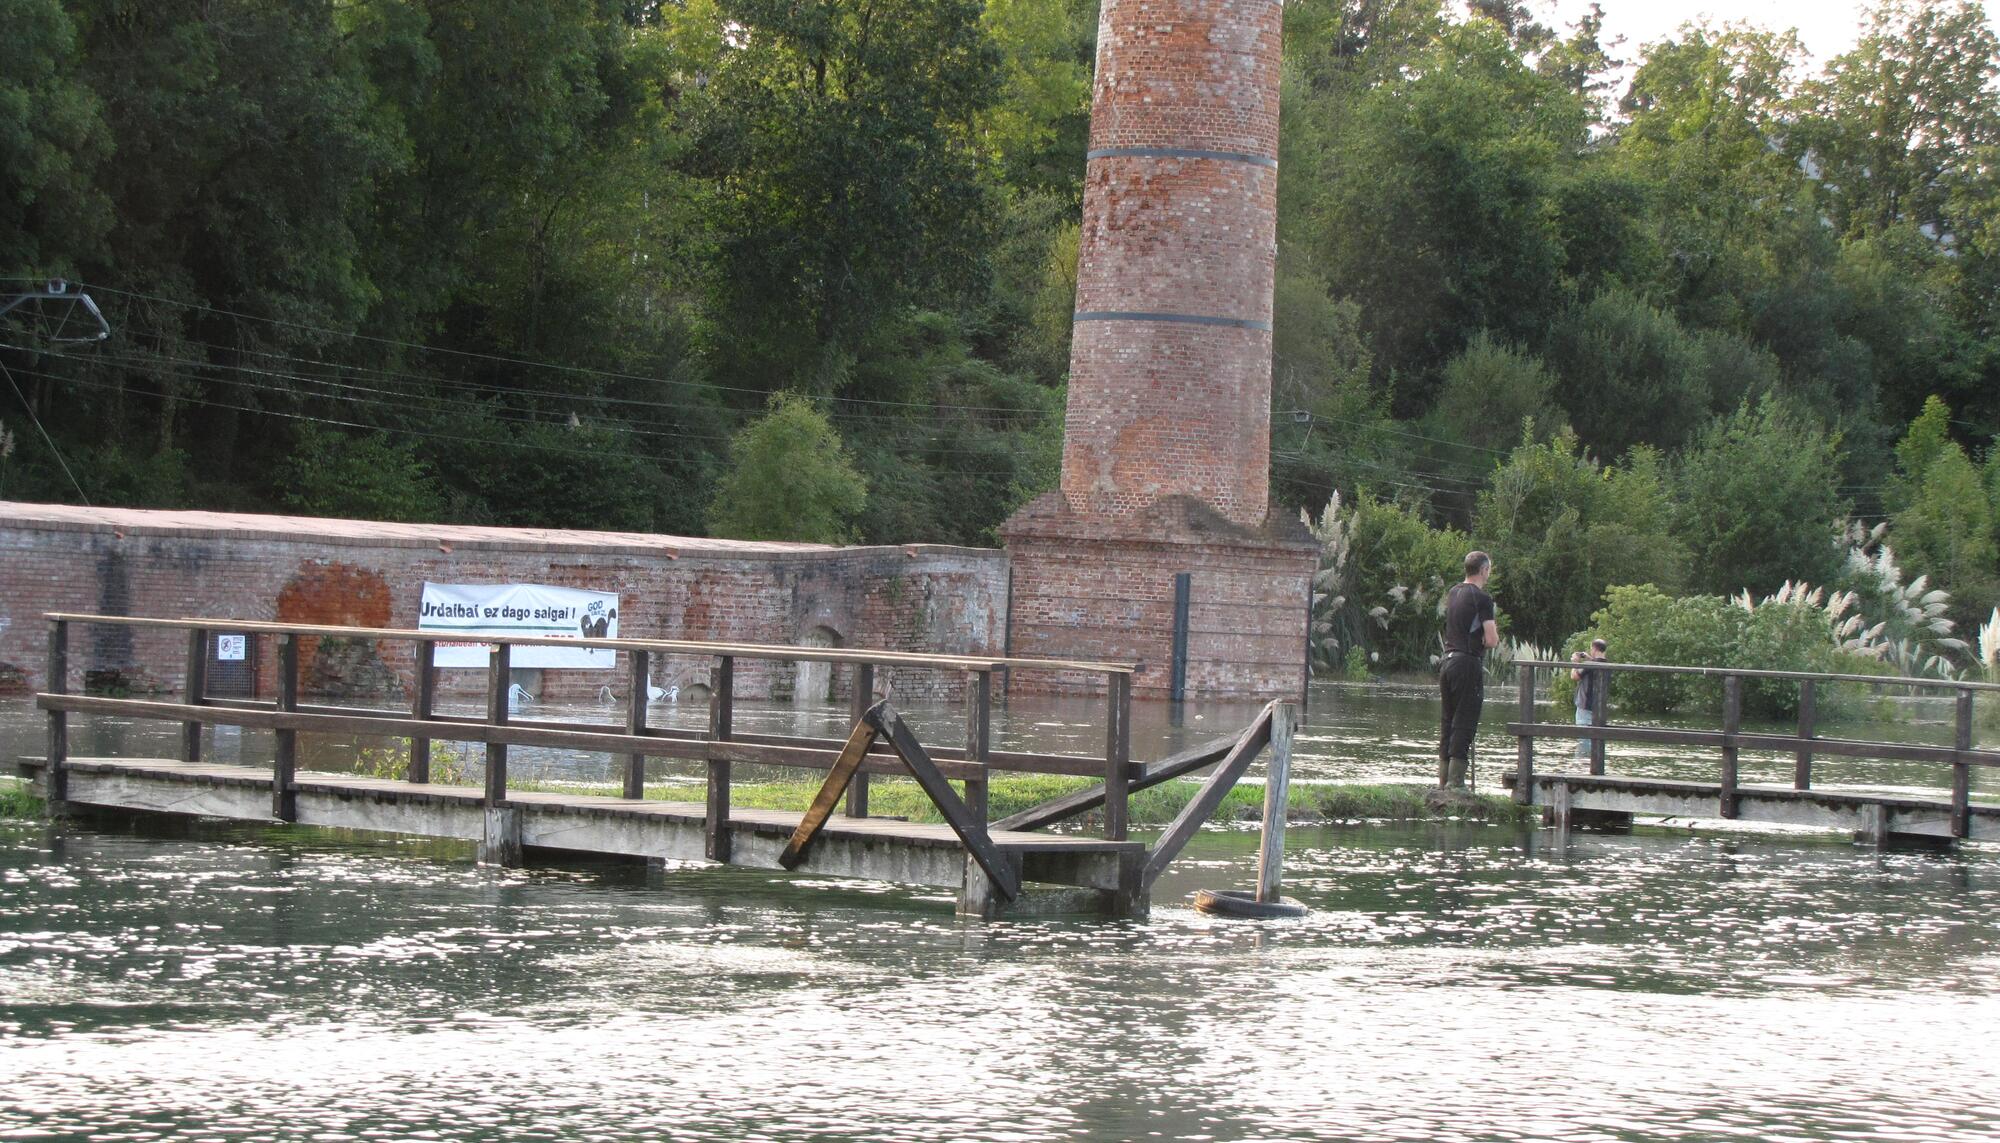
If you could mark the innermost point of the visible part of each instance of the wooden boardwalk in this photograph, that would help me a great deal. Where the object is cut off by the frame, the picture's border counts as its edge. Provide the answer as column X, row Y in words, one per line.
column 1597, row 797
column 1874, row 818
column 880, row 849
column 994, row 867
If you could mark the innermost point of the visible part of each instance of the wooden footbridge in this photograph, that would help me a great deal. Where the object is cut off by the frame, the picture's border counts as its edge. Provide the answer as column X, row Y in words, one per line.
column 995, row 867
column 1594, row 797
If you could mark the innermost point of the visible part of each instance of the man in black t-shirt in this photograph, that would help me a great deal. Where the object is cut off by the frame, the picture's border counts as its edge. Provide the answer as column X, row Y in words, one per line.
column 1469, row 629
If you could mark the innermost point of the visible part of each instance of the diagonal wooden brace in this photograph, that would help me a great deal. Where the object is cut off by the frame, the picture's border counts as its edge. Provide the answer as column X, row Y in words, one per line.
column 844, row 769
column 1212, row 791
column 971, row 831
column 1083, row 801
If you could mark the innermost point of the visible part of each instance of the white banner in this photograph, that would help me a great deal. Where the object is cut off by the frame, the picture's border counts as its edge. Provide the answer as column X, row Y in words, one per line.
column 526, row 609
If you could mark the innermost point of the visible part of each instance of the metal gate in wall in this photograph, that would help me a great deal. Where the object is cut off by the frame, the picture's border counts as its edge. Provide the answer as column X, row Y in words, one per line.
column 232, row 664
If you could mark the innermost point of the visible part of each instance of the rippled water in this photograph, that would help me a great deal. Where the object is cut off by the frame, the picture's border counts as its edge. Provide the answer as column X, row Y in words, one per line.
column 1452, row 982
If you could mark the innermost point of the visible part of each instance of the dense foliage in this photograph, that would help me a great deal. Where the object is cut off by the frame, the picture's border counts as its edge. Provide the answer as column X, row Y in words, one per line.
column 1660, row 319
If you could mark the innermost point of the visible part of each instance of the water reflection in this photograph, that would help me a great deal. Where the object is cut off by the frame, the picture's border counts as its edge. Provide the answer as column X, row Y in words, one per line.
column 1452, row 982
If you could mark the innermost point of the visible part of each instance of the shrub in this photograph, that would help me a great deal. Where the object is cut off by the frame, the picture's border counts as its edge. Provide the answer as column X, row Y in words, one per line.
column 1628, row 374
column 1562, row 529
column 1759, row 500
column 789, row 478
column 1382, row 573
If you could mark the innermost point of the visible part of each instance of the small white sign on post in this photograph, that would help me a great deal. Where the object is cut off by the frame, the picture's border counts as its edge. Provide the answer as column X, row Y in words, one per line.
column 521, row 609
column 231, row 648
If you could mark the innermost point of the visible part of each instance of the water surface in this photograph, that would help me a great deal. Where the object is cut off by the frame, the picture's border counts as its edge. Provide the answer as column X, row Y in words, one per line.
column 1452, row 982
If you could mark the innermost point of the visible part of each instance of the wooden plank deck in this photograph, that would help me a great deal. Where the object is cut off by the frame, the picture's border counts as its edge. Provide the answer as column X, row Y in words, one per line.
column 1878, row 816
column 918, row 853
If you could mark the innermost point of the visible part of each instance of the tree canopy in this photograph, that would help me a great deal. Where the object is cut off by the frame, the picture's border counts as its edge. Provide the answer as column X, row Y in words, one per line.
column 541, row 261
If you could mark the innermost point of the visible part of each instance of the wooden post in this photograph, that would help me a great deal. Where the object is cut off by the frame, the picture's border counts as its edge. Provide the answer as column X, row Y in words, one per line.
column 1002, row 870
column 1117, row 754
column 1808, row 718
column 721, row 711
column 635, row 722
column 1599, row 704
column 499, row 682
column 57, row 783
column 1561, row 816
column 1732, row 721
column 285, row 764
column 1277, row 796
column 857, row 705
column 978, row 739
column 197, row 689
column 1524, row 761
column 500, row 844
column 1961, row 770
column 423, row 700
column 1874, row 825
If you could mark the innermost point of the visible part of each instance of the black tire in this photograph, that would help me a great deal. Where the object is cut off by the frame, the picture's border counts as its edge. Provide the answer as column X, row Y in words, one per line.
column 1236, row 903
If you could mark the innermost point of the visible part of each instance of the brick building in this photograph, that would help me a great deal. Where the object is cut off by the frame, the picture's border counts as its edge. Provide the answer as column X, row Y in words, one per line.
column 359, row 573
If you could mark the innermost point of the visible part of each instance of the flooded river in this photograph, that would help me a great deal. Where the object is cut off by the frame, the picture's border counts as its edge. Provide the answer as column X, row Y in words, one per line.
column 1452, row 982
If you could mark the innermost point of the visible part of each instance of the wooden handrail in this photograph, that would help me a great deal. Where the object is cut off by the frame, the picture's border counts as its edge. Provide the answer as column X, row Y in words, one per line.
column 779, row 651
column 1747, row 673
column 1779, row 743
column 1731, row 739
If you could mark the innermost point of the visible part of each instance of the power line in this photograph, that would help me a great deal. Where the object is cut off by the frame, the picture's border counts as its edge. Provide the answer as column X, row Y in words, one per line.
column 507, row 390
column 404, row 431
column 30, row 410
column 517, row 361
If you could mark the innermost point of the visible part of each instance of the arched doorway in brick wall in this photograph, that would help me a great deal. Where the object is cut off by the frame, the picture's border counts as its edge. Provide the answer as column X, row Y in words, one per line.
column 812, row 683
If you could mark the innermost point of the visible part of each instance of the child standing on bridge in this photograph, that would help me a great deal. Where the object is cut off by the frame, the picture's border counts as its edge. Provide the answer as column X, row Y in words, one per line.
column 1589, row 684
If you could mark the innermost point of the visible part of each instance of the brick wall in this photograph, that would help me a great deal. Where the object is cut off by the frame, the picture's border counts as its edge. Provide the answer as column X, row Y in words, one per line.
column 291, row 569
column 1082, row 591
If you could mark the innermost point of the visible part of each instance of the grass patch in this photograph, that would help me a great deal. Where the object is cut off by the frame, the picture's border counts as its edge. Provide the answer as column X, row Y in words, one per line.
column 16, row 801
column 902, row 798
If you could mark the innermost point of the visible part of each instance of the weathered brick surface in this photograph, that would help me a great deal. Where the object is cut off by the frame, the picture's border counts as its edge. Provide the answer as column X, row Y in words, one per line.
column 1166, row 449
column 1198, row 74
column 292, row 569
column 1083, row 590
column 1161, row 408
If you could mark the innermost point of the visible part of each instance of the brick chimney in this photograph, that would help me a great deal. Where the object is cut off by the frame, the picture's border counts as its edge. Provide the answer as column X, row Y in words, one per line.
column 1160, row 546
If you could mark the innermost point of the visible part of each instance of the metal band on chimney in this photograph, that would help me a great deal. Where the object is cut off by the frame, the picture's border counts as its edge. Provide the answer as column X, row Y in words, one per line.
column 1181, row 153
column 1190, row 319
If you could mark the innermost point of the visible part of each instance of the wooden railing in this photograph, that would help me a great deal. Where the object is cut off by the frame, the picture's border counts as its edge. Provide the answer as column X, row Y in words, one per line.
column 1730, row 740
column 720, row 746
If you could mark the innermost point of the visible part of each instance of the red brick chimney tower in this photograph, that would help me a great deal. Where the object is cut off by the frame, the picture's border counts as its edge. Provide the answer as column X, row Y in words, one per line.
column 1160, row 546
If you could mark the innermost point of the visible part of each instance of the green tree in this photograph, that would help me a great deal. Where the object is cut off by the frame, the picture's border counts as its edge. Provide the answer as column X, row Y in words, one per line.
column 1944, row 524
column 789, row 478
column 1432, row 199
column 1491, row 392
column 372, row 477
column 1562, row 529
column 838, row 135
column 1705, row 111
column 1627, row 374
column 52, row 141
column 1760, row 503
column 1899, row 120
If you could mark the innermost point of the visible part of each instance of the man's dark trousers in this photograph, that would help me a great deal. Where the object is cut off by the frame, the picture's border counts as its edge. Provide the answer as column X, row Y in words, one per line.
column 1462, row 682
